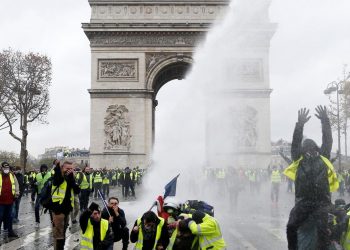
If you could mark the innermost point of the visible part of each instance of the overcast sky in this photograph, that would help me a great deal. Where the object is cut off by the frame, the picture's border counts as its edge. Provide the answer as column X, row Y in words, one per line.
column 308, row 51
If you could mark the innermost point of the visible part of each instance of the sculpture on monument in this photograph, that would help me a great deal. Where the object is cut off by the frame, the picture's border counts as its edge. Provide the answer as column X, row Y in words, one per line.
column 244, row 125
column 117, row 128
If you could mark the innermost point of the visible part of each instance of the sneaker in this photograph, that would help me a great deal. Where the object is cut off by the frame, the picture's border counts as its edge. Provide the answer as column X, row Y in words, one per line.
column 15, row 221
column 37, row 224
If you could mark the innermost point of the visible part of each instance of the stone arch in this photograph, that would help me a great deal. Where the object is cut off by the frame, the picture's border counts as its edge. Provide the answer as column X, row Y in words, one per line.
column 175, row 67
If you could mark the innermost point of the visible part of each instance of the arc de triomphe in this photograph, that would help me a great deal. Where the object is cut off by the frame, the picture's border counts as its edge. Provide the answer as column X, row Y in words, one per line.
column 137, row 46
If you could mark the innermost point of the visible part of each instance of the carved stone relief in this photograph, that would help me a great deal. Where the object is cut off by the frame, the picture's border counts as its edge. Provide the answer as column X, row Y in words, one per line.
column 247, row 70
column 245, row 127
column 118, row 69
column 153, row 59
column 174, row 39
column 117, row 128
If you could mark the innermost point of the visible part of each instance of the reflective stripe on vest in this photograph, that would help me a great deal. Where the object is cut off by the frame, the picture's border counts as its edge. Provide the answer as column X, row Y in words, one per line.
column 139, row 243
column 87, row 238
column 214, row 240
column 84, row 183
column 12, row 180
column 60, row 193
column 97, row 178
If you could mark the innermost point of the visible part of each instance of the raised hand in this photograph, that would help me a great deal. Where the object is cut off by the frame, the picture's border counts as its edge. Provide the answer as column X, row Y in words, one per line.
column 321, row 112
column 303, row 115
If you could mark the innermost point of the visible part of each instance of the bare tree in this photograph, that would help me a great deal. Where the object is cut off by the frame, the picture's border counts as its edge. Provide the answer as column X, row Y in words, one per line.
column 25, row 79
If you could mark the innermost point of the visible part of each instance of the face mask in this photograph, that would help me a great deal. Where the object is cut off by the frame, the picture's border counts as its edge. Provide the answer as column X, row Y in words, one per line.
column 148, row 229
column 6, row 171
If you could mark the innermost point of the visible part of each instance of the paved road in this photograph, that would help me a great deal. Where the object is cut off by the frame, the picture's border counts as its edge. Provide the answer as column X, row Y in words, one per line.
column 255, row 224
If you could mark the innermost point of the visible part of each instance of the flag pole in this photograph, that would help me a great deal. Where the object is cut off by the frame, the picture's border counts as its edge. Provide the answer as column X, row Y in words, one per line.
column 103, row 201
column 165, row 191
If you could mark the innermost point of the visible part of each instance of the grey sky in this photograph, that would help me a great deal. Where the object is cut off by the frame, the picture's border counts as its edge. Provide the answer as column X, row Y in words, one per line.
column 308, row 50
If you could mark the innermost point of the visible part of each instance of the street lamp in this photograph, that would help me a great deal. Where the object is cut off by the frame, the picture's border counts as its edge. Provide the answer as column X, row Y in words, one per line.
column 331, row 87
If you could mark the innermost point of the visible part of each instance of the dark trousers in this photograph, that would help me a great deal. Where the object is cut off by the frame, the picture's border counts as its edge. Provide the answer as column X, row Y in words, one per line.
column 97, row 186
column 33, row 194
column 123, row 235
column 84, row 199
column 37, row 208
column 16, row 208
column 105, row 190
column 299, row 214
column 6, row 217
column 126, row 189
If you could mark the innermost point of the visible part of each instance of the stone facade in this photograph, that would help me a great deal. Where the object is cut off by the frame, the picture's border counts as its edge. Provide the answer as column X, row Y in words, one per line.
column 138, row 46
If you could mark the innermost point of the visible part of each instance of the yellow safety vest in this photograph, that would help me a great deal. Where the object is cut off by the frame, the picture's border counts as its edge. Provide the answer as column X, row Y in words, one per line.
column 291, row 171
column 98, row 178
column 59, row 193
column 139, row 243
column 173, row 238
column 41, row 181
column 275, row 176
column 206, row 240
column 84, row 183
column 86, row 242
column 105, row 180
column 12, row 179
column 114, row 177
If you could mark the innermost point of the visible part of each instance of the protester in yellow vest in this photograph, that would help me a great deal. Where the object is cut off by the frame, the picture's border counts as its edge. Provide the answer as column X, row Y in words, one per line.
column 85, row 183
column 96, row 233
column 182, row 238
column 150, row 232
column 41, row 178
column 275, row 184
column 314, row 177
column 63, row 189
column 207, row 229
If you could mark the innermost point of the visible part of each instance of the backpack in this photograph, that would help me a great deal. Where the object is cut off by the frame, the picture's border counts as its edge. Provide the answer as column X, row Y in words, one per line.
column 191, row 206
column 46, row 195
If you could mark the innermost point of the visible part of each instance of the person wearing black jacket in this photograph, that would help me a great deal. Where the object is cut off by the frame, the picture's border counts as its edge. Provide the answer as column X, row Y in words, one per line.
column 121, row 232
column 91, row 220
column 150, row 224
column 63, row 190
column 312, row 187
column 20, row 180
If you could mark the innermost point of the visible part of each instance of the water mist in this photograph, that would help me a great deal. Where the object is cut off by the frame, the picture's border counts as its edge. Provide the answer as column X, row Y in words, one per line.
column 213, row 120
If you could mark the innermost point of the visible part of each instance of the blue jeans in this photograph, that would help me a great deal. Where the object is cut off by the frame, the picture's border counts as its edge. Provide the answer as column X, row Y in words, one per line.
column 37, row 208
column 6, row 217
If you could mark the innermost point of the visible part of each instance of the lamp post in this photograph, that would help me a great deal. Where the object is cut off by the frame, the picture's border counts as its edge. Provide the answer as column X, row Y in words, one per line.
column 331, row 87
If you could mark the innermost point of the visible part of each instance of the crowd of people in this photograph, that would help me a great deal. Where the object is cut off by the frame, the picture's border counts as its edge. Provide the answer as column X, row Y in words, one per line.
column 71, row 190
column 83, row 184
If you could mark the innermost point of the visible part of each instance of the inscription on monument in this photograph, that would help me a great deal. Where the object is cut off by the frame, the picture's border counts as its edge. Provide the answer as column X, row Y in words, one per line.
column 117, row 128
column 118, row 69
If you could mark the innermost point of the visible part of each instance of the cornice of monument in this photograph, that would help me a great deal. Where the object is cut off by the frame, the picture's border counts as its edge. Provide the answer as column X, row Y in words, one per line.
column 116, row 2
column 121, row 93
